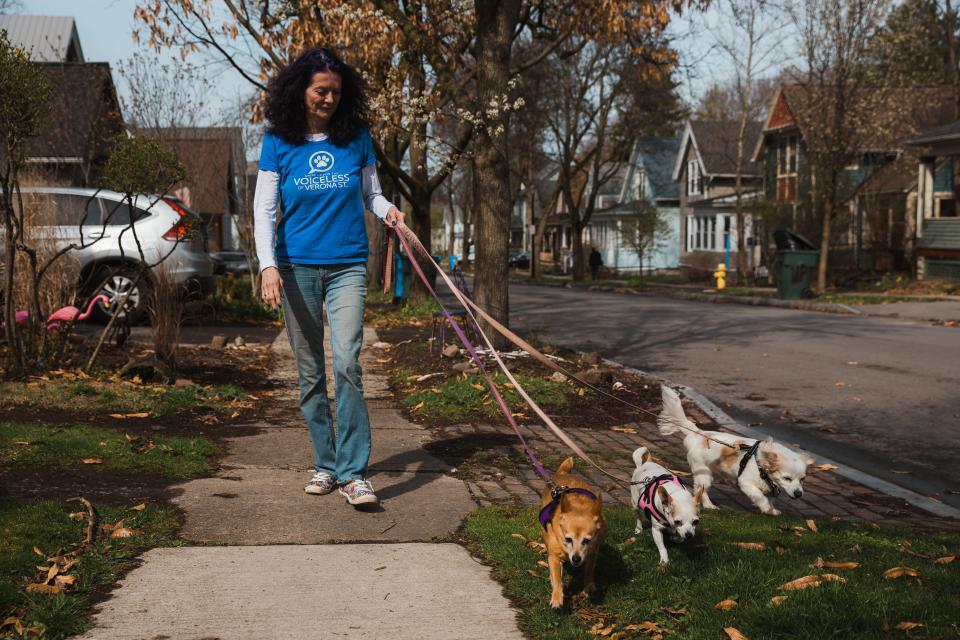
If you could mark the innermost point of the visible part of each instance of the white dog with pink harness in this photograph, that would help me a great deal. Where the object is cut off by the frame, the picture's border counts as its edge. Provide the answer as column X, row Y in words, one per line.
column 661, row 497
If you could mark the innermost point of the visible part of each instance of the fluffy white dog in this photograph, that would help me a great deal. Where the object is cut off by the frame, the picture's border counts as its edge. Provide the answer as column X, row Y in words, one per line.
column 761, row 468
column 660, row 496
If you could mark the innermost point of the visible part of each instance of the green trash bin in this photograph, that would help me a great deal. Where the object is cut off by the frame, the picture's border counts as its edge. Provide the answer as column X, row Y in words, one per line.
column 798, row 263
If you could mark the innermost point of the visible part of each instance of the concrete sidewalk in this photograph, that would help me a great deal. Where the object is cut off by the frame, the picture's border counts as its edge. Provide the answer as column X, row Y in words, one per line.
column 275, row 578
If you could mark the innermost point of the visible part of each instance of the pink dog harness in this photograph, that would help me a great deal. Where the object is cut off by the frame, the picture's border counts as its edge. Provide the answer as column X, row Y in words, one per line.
column 646, row 503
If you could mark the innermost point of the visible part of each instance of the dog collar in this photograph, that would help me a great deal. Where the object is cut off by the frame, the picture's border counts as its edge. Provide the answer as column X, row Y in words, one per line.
column 752, row 453
column 550, row 509
column 646, row 502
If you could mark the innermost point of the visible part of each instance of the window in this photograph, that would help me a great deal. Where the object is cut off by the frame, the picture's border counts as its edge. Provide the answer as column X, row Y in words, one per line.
column 694, row 179
column 118, row 213
column 641, row 186
column 787, row 156
column 702, row 233
column 63, row 209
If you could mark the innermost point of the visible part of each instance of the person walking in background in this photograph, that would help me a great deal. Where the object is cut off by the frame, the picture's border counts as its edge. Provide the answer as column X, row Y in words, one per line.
column 317, row 164
column 596, row 261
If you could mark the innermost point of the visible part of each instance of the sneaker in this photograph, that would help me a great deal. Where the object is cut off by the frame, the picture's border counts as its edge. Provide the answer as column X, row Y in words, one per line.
column 321, row 483
column 358, row 492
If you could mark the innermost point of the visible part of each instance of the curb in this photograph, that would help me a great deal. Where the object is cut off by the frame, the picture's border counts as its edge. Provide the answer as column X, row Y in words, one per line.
column 823, row 307
column 877, row 484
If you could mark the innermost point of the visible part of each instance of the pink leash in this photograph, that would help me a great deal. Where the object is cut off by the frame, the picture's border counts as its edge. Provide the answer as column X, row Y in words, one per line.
column 402, row 232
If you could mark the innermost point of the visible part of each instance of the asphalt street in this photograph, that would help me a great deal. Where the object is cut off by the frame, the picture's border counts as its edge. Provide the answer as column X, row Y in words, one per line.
column 879, row 394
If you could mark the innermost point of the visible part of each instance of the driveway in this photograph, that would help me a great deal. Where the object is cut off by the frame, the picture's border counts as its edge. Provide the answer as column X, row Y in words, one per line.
column 879, row 393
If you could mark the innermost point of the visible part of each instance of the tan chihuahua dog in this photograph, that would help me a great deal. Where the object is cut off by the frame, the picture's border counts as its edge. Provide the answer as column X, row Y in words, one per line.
column 574, row 527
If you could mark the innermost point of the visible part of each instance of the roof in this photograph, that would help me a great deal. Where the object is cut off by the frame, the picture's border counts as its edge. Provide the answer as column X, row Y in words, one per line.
column 657, row 154
column 212, row 158
column 943, row 133
column 47, row 38
column 715, row 145
column 885, row 118
column 84, row 112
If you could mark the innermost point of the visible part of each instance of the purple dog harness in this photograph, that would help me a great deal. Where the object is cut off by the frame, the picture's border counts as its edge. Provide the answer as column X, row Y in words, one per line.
column 550, row 509
column 646, row 503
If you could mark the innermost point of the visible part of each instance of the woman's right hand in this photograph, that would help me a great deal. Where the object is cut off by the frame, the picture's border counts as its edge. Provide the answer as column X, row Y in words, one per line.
column 271, row 287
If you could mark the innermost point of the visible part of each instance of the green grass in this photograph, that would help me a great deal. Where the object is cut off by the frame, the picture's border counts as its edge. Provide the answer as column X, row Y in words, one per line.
column 382, row 313
column 48, row 526
column 65, row 447
column 115, row 396
column 633, row 589
column 467, row 396
column 233, row 300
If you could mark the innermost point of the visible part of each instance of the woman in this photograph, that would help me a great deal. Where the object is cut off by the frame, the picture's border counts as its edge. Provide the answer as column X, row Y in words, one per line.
column 317, row 160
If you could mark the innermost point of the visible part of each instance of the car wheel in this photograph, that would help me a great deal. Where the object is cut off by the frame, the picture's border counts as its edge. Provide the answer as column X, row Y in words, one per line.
column 115, row 283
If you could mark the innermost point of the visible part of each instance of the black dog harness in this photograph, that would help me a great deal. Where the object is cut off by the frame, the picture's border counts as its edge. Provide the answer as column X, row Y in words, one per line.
column 752, row 453
column 550, row 509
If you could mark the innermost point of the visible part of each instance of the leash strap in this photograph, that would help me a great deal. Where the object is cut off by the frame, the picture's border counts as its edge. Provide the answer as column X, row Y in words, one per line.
column 388, row 269
column 476, row 359
column 404, row 233
column 549, row 510
column 471, row 307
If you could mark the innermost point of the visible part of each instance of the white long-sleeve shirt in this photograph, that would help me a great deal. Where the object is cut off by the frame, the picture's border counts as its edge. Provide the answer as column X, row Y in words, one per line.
column 267, row 195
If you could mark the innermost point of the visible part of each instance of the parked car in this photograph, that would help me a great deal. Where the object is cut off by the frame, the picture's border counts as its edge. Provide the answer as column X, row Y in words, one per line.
column 519, row 261
column 109, row 260
column 231, row 261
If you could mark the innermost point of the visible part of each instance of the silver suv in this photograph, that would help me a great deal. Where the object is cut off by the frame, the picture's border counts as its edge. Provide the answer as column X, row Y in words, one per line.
column 99, row 221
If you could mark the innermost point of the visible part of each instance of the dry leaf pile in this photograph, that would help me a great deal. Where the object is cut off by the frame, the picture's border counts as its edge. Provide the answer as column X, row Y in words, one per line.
column 53, row 577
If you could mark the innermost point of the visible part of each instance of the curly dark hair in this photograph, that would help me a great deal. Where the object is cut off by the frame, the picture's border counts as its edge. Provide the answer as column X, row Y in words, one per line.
column 285, row 103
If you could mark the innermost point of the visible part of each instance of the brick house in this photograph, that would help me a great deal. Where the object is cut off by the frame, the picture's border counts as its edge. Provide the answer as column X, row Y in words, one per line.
column 705, row 169
column 873, row 231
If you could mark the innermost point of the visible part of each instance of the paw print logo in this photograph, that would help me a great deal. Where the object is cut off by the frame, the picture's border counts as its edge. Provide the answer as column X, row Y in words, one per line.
column 321, row 161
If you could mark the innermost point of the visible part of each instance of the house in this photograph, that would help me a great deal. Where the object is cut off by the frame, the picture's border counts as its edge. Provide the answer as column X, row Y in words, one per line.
column 874, row 230
column 216, row 183
column 84, row 115
column 45, row 38
column 648, row 178
column 705, row 170
column 937, row 218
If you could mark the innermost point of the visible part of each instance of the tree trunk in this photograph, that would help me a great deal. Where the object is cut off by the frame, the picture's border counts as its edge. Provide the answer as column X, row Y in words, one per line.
column 954, row 73
column 829, row 206
column 576, row 246
column 531, row 222
column 496, row 22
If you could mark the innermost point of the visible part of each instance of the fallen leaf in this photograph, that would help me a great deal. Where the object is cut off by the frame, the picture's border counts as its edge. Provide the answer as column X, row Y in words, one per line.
column 725, row 605
column 802, row 583
column 22, row 442
column 674, row 611
column 139, row 507
column 52, row 572
column 13, row 622
column 77, row 515
column 40, row 553
column 780, row 549
column 624, row 429
column 92, row 461
column 840, row 384
column 541, row 563
column 606, row 630
column 478, row 387
column 841, row 565
column 897, row 572
column 853, row 363
column 518, row 536
column 613, row 486
column 123, row 416
column 775, row 601
column 63, row 581
column 630, row 540
column 811, row 525
column 534, row 573
column 907, row 626
column 734, row 634
column 825, row 467
column 651, row 627
column 945, row 560
column 39, row 587
column 832, row 577
column 418, row 407
column 752, row 546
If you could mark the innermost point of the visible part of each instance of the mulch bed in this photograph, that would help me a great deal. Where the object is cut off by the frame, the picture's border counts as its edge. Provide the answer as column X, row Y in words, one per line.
column 590, row 410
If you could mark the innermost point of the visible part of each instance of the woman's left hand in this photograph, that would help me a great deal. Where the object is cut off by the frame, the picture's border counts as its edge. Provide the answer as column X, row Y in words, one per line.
column 394, row 216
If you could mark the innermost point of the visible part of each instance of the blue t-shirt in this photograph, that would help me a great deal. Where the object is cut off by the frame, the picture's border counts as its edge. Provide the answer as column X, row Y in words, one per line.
column 321, row 196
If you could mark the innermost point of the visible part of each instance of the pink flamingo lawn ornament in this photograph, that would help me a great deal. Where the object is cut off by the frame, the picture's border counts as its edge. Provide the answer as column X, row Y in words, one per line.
column 70, row 314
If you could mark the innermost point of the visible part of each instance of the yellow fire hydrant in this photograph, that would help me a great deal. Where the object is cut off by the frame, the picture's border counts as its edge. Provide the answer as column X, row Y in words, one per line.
column 721, row 275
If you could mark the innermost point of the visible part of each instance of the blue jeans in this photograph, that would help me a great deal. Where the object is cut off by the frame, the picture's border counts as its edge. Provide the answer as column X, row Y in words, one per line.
column 343, row 288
